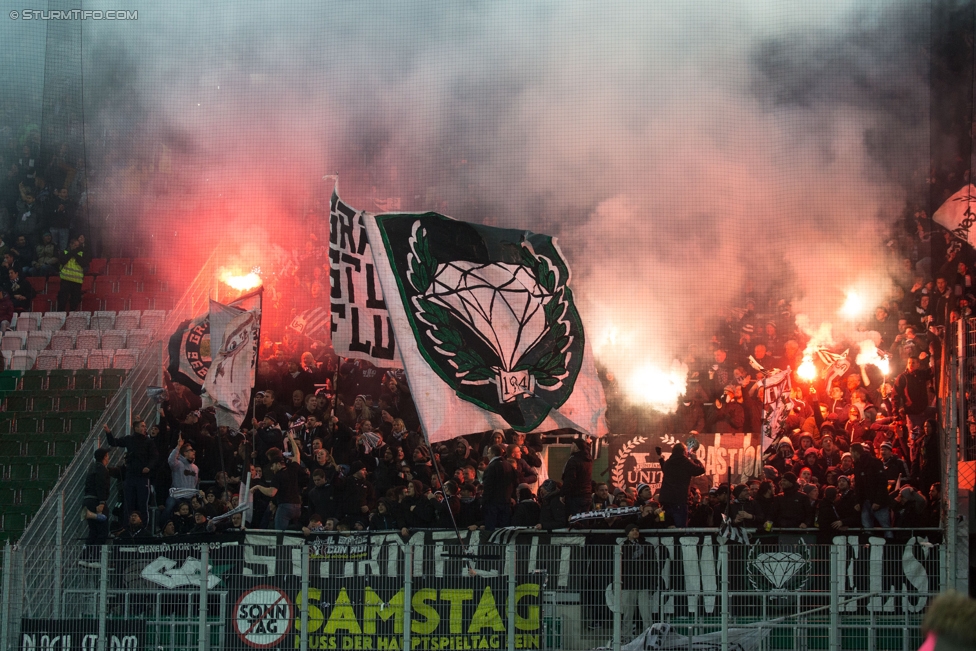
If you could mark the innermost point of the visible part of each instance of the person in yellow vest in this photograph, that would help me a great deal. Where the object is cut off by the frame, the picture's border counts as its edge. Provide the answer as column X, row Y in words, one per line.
column 73, row 261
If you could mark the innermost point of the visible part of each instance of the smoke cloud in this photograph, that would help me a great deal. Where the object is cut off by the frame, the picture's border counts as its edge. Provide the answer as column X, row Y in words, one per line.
column 683, row 154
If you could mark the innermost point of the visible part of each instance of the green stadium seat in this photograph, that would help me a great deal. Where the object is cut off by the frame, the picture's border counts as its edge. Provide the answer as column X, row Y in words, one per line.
column 48, row 472
column 42, row 403
column 19, row 470
column 15, row 520
column 70, row 401
column 26, row 424
column 64, row 448
column 34, row 381
column 34, row 447
column 53, row 425
column 9, row 380
column 86, row 380
column 9, row 447
column 7, row 494
column 59, row 380
column 6, row 423
column 31, row 497
column 80, row 423
column 112, row 379
column 96, row 403
column 16, row 402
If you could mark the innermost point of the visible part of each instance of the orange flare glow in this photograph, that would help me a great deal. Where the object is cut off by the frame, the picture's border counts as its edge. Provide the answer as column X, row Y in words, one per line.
column 241, row 283
column 806, row 371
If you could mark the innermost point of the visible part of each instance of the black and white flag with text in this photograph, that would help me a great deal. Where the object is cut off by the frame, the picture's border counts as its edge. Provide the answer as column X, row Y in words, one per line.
column 361, row 326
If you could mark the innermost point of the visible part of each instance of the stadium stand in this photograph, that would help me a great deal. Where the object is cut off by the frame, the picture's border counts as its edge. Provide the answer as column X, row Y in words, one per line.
column 51, row 394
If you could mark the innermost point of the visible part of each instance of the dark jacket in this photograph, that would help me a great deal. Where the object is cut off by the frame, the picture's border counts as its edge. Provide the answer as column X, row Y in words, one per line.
column 553, row 513
column 527, row 514
column 498, row 482
column 792, row 509
column 140, row 452
column 97, row 483
column 870, row 484
column 641, row 568
column 578, row 475
column 678, row 470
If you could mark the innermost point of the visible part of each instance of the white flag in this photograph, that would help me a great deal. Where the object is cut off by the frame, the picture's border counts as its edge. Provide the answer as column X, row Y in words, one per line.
column 957, row 214
column 487, row 327
column 235, row 336
column 361, row 326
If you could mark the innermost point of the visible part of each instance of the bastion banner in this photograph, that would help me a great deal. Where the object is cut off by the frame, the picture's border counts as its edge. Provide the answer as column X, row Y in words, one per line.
column 460, row 588
column 634, row 461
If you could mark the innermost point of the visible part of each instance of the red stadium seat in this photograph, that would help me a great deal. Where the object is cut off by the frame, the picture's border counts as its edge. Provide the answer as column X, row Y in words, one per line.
column 90, row 303
column 87, row 283
column 105, row 285
column 119, row 266
column 164, row 302
column 141, row 301
column 143, row 267
column 115, row 303
column 54, row 284
column 128, row 285
column 97, row 266
column 41, row 303
column 39, row 283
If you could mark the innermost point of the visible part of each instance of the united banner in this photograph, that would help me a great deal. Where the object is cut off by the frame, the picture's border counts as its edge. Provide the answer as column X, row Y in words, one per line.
column 634, row 460
column 487, row 327
column 361, row 325
column 957, row 215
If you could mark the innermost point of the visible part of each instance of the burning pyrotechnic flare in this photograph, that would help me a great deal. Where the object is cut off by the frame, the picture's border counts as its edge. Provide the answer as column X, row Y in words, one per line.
column 806, row 371
column 659, row 389
column 869, row 355
column 241, row 282
column 853, row 306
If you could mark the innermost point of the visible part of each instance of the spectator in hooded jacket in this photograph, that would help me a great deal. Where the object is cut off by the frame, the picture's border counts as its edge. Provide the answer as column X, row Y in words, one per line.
column 552, row 507
column 678, row 469
column 498, row 484
column 578, row 479
column 792, row 508
column 871, row 489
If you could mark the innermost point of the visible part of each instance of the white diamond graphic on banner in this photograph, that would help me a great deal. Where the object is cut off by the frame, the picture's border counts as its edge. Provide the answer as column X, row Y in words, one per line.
column 779, row 567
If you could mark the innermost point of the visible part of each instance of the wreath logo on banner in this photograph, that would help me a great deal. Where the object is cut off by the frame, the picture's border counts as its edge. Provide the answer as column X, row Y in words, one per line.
column 620, row 460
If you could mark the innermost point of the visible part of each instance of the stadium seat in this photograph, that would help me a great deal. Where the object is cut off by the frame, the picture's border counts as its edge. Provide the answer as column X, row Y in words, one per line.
column 60, row 380
column 91, row 302
column 74, row 359
column 78, row 320
column 33, row 381
column 53, row 424
column 97, row 266
column 23, row 360
column 119, row 266
column 143, row 267
column 48, row 472
column 128, row 286
column 139, row 339
column 113, row 339
column 116, row 303
column 164, row 302
column 48, row 360
column 87, row 283
column 88, row 339
column 26, row 424
column 86, row 380
column 70, row 401
column 39, row 283
column 9, row 380
column 42, row 303
column 140, row 301
column 97, row 401
column 125, row 359
column 112, row 379
column 128, row 320
column 9, row 446
column 38, row 339
column 41, row 403
column 99, row 359
column 27, row 321
column 53, row 285
column 34, row 447
column 103, row 320
column 64, row 447
column 14, row 340
column 105, row 285
column 80, row 423
column 152, row 319
column 63, row 340
column 31, row 497
column 53, row 320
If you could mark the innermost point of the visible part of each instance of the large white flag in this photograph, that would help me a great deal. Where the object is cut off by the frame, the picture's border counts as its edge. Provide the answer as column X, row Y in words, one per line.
column 361, row 326
column 235, row 335
column 957, row 214
column 487, row 327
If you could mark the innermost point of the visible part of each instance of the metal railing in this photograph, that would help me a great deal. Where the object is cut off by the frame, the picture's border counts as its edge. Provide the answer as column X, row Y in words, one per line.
column 510, row 590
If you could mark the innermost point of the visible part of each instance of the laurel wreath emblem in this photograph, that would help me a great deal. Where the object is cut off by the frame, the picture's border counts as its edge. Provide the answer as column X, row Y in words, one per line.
column 617, row 474
column 471, row 368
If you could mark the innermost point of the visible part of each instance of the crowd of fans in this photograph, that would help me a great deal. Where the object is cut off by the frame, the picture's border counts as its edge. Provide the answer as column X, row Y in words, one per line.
column 39, row 227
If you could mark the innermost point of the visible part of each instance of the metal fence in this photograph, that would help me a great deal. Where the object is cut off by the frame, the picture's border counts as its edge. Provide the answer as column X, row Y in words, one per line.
column 510, row 590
